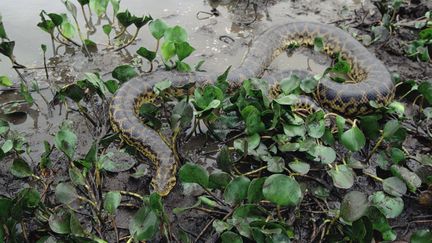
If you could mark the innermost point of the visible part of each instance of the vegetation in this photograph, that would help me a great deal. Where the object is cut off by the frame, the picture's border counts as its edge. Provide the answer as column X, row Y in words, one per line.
column 276, row 162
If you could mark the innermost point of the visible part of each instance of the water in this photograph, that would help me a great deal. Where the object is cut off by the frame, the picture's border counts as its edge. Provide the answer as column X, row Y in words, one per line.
column 21, row 16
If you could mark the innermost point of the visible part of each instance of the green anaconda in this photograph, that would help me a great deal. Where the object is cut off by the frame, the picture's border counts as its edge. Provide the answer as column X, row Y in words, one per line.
column 372, row 82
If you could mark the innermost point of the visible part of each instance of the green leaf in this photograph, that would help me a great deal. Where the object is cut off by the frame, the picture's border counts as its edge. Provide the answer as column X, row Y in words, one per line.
column 252, row 117
column 21, row 169
column 321, row 192
column 421, row 236
column 144, row 224
column 168, row 50
column 97, row 83
column 111, row 202
column 112, row 85
column 224, row 160
column 411, row 179
column 236, row 190
column 161, row 86
column 75, row 226
column 275, row 164
column 370, row 126
column 290, row 99
column 91, row 156
column 139, row 22
column 299, row 167
column 290, row 84
column 183, row 50
column 56, row 19
column 107, row 28
column 390, row 128
column 231, row 237
column 115, row 5
column 6, row 48
column 219, row 180
column 4, row 126
column 68, row 29
column 221, row 226
column 76, row 176
column 282, row 190
column 27, row 198
column 255, row 194
column 316, row 129
column 183, row 67
column 3, row 34
column 124, row 73
column 425, row 88
column 6, row 205
column 125, row 18
column 192, row 173
column 182, row 115
column 175, row 34
column 397, row 107
column 116, row 161
column 324, row 154
column 394, row 186
column 66, row 193
column 318, row 44
column 354, row 205
column 379, row 223
column 84, row 2
column 353, row 139
column 362, row 230
column 60, row 222
column 7, row 146
column 340, row 123
column 390, row 206
column 140, row 171
column 73, row 91
column 308, row 85
column 341, row 66
column 397, row 155
column 71, row 8
column 144, row 52
column 381, row 33
column 25, row 93
column 158, row 28
column 99, row 6
column 5, row 81
column 65, row 140
column 343, row 176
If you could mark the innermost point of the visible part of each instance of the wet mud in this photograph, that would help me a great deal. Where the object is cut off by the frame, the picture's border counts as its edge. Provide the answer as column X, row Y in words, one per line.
column 221, row 32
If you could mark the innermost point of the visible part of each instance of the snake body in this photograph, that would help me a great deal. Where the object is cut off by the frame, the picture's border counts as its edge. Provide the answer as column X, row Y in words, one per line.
column 372, row 82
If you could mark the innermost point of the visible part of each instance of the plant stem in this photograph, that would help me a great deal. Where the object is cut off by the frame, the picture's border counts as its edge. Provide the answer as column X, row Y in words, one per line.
column 373, row 176
column 132, row 194
column 88, row 200
column 130, row 41
column 71, row 41
column 213, row 196
column 80, row 36
column 381, row 139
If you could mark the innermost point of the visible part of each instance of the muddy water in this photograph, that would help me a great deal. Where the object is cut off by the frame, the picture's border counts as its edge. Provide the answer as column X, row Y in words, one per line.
column 238, row 23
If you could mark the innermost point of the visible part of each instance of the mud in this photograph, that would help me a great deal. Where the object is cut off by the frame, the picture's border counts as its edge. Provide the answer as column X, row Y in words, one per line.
column 220, row 41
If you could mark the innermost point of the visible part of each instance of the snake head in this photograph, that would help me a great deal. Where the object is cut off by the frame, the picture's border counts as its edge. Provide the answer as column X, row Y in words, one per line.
column 165, row 179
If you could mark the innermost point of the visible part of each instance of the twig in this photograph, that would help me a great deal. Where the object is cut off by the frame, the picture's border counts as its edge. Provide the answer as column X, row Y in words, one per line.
column 204, row 230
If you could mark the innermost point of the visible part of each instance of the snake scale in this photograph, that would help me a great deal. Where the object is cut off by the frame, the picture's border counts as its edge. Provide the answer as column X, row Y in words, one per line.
column 372, row 82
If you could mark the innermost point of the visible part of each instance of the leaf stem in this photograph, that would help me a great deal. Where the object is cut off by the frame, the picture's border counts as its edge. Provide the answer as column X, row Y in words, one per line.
column 132, row 194
column 130, row 41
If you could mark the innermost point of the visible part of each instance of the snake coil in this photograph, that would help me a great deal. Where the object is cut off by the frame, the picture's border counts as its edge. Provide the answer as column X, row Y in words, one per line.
column 372, row 82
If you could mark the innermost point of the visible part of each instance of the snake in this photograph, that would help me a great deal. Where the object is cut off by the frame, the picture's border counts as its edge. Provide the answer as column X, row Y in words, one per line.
column 371, row 82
